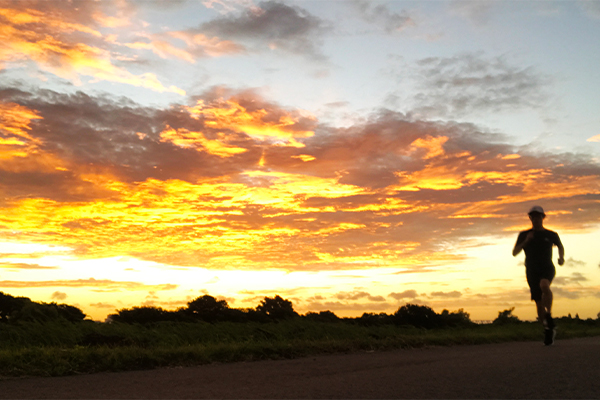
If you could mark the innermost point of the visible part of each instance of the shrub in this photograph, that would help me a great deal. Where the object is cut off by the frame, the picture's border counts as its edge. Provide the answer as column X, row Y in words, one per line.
column 276, row 308
column 416, row 315
column 506, row 317
column 323, row 316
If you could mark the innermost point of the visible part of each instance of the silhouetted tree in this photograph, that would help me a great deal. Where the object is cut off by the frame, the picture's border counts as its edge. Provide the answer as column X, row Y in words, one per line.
column 209, row 309
column 322, row 316
column 253, row 315
column 416, row 315
column 23, row 309
column 142, row 315
column 456, row 318
column 70, row 313
column 276, row 308
column 371, row 319
column 506, row 317
column 10, row 306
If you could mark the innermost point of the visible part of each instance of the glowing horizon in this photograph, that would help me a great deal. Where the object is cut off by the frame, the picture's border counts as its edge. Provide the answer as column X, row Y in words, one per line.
column 152, row 153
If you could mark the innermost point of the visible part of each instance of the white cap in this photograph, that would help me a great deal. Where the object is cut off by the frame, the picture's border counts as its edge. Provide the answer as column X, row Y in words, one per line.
column 536, row 209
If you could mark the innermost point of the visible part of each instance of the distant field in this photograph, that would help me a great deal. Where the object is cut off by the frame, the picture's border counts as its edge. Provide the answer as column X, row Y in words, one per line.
column 61, row 348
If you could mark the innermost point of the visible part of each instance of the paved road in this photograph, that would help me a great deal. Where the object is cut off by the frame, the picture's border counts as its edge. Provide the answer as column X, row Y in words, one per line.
column 569, row 369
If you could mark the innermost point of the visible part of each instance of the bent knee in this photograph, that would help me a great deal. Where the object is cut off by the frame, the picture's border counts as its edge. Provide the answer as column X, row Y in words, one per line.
column 545, row 285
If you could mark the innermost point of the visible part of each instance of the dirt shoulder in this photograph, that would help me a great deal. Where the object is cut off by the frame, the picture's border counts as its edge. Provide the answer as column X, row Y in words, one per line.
column 569, row 369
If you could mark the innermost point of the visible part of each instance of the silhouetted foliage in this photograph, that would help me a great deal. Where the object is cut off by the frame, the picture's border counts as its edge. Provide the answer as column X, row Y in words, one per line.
column 23, row 309
column 322, row 316
column 455, row 319
column 143, row 315
column 506, row 317
column 207, row 308
column 374, row 319
column 10, row 306
column 70, row 313
column 253, row 315
column 276, row 308
column 416, row 315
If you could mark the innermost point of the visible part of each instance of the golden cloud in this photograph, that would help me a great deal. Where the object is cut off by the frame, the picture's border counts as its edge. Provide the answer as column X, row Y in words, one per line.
column 184, row 138
column 91, row 282
column 20, row 41
column 324, row 206
column 260, row 123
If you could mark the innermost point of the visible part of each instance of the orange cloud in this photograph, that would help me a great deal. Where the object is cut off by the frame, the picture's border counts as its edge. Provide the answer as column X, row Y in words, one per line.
column 433, row 145
column 16, row 120
column 189, row 188
column 213, row 47
column 184, row 138
column 20, row 41
column 91, row 282
column 260, row 122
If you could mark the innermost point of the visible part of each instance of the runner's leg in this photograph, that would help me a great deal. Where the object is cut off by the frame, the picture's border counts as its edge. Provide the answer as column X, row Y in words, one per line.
column 546, row 296
column 541, row 311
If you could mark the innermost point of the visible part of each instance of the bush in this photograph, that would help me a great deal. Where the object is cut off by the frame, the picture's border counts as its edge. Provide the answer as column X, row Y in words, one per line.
column 276, row 308
column 455, row 319
column 416, row 315
column 374, row 319
column 505, row 317
column 142, row 315
column 207, row 308
column 323, row 316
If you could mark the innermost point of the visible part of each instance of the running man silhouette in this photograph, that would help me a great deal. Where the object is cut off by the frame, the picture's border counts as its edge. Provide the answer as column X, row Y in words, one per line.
column 537, row 243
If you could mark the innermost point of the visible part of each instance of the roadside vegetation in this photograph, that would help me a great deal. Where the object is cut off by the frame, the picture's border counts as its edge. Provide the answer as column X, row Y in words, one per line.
column 49, row 339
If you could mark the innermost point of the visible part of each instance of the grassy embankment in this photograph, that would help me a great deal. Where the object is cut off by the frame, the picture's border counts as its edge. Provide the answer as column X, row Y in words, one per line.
column 63, row 348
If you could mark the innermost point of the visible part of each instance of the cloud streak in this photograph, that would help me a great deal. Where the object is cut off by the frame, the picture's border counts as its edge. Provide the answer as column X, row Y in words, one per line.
column 232, row 180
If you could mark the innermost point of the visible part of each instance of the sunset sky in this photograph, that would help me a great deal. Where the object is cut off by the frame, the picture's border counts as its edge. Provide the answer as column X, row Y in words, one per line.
column 350, row 156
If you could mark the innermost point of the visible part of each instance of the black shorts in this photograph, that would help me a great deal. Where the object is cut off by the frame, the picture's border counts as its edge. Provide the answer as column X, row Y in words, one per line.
column 534, row 278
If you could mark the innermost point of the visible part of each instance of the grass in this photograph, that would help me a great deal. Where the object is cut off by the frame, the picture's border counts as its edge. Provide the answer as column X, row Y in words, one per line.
column 63, row 348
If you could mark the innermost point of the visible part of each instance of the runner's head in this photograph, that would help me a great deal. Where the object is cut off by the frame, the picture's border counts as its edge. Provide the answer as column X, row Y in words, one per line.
column 537, row 215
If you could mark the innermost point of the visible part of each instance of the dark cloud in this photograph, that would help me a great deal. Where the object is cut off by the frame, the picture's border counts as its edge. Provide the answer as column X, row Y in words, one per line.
column 467, row 84
column 447, row 295
column 103, row 305
column 573, row 263
column 58, row 295
column 477, row 12
column 381, row 16
column 576, row 278
column 273, row 25
column 566, row 293
column 407, row 294
column 357, row 295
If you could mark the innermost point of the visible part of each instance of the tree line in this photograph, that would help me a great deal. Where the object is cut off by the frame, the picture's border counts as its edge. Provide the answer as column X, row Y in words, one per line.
column 208, row 309
column 272, row 309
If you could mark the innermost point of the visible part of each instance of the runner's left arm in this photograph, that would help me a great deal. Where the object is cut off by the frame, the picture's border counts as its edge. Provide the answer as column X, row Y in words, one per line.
column 561, row 250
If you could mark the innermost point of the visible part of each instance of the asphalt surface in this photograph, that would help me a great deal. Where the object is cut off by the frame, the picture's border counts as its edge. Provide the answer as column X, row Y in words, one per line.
column 569, row 369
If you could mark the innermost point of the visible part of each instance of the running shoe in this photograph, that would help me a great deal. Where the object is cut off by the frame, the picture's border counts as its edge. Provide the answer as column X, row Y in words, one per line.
column 549, row 335
column 549, row 322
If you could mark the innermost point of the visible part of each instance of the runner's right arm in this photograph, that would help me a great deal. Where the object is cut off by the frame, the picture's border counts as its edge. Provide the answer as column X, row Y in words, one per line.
column 522, row 240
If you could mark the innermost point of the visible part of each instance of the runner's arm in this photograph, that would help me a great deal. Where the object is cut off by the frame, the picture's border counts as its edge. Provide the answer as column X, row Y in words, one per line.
column 561, row 251
column 522, row 242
